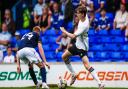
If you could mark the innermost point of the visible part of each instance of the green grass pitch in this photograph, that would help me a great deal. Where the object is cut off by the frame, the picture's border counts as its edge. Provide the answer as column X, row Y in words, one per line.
column 57, row 88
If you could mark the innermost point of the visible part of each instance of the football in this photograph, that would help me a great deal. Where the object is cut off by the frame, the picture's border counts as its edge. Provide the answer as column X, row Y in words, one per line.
column 62, row 83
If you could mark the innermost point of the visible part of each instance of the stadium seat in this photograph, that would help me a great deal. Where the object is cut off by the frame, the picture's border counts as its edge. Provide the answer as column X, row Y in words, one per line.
column 59, row 54
column 111, row 17
column 70, row 26
column 50, row 32
column 115, row 55
column 50, row 55
column 125, row 56
column 44, row 39
column 52, row 39
column 91, row 54
column 124, row 47
column 54, row 46
column 102, row 55
column 92, row 39
column 97, row 15
column 13, row 41
column 118, row 39
column 102, row 32
column 59, row 57
column 115, row 32
column 112, row 47
column 51, row 60
column 105, row 39
column 46, row 47
column 96, row 48
column 91, row 32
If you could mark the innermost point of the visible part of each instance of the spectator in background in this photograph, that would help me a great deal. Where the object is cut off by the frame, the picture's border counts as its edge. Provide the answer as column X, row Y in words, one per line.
column 10, row 58
column 75, row 25
column 17, row 41
column 1, row 56
column 44, row 21
column 103, row 22
column 5, row 37
column 93, row 21
column 75, row 3
column 126, row 33
column 102, row 6
column 9, row 21
column 23, row 15
column 121, row 18
column 57, row 17
column 38, row 8
column 64, row 43
column 68, row 15
column 88, row 4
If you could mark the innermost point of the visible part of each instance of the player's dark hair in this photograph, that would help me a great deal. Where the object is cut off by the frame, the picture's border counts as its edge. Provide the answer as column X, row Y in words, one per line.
column 103, row 9
column 82, row 9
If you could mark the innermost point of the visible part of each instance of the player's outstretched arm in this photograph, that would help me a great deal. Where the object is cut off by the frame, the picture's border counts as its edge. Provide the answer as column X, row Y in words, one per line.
column 18, row 64
column 42, row 54
column 67, row 33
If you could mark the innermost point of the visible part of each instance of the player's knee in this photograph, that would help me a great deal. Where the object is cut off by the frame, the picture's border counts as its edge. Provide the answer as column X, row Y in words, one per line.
column 40, row 65
column 64, row 57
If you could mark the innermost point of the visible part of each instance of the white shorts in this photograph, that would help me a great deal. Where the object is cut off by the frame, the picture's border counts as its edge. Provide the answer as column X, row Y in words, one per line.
column 29, row 55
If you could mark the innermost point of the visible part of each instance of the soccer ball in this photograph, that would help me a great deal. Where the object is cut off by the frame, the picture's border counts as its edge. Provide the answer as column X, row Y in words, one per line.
column 62, row 84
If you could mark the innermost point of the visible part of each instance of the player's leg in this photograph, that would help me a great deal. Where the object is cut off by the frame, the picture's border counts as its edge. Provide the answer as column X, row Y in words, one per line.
column 66, row 60
column 35, row 58
column 33, row 76
column 71, row 51
column 32, row 73
column 43, row 74
column 92, row 71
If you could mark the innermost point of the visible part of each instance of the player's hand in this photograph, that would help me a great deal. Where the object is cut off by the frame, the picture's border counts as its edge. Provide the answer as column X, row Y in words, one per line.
column 62, row 29
column 47, row 65
column 18, row 69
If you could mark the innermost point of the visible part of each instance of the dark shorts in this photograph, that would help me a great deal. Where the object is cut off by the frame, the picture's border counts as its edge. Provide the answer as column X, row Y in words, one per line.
column 75, row 51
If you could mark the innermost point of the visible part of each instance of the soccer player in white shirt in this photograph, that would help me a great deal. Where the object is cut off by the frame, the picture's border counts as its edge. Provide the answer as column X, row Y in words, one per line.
column 81, row 46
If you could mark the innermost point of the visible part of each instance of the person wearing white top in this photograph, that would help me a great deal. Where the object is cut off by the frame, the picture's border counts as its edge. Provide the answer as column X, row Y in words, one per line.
column 9, row 58
column 81, row 46
column 38, row 8
column 121, row 18
column 64, row 43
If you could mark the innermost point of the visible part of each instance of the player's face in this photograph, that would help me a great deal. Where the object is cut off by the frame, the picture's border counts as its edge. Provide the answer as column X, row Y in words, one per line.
column 79, row 15
column 9, row 51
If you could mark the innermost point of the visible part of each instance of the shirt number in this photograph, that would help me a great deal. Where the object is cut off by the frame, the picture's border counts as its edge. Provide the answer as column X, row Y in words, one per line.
column 29, row 36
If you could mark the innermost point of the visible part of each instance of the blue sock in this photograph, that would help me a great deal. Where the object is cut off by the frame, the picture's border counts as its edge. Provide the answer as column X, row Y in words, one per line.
column 43, row 74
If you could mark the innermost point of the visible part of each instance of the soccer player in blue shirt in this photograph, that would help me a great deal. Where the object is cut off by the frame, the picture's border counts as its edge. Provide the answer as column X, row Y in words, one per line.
column 28, row 54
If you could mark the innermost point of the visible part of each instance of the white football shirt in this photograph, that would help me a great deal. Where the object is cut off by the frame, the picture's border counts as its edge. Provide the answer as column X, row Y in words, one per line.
column 82, row 35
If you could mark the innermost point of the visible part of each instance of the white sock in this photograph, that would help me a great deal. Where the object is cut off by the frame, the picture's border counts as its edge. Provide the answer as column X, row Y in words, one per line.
column 69, row 66
column 94, row 74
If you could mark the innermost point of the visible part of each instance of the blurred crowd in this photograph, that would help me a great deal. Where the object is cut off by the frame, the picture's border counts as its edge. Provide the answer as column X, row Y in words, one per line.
column 51, row 14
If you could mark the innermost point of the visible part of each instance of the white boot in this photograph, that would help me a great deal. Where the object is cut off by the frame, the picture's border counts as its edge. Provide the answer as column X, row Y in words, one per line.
column 101, row 86
column 45, row 86
column 38, row 85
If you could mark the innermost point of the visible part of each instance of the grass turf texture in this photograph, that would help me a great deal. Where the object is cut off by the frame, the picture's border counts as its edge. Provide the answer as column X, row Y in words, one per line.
column 57, row 88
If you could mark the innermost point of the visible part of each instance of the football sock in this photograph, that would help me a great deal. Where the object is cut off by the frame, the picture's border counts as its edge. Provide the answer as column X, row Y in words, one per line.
column 69, row 66
column 33, row 76
column 43, row 74
column 94, row 74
